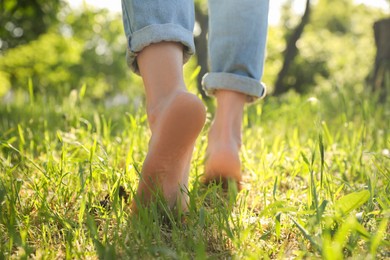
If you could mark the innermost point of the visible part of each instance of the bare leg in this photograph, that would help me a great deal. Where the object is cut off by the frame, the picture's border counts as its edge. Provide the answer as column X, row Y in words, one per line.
column 224, row 139
column 176, row 118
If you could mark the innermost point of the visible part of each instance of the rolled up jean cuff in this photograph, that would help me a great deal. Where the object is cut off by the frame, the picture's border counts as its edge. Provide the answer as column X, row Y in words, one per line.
column 228, row 81
column 158, row 33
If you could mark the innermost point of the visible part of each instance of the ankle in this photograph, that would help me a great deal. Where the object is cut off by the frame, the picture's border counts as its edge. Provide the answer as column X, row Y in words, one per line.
column 224, row 135
column 228, row 116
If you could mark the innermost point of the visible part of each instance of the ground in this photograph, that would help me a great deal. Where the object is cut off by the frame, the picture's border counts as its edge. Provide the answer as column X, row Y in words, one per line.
column 316, row 171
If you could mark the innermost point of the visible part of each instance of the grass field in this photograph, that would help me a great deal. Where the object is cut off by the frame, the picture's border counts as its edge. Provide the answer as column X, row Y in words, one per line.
column 316, row 171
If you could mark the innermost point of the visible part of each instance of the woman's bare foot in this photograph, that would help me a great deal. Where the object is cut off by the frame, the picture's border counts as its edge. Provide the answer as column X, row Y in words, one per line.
column 175, row 127
column 224, row 140
column 175, row 117
column 222, row 160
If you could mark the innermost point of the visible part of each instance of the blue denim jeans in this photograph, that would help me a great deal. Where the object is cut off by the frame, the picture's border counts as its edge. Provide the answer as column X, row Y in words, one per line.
column 237, row 38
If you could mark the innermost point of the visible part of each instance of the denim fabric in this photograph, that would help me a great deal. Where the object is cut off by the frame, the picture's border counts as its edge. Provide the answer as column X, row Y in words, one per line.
column 237, row 38
column 152, row 21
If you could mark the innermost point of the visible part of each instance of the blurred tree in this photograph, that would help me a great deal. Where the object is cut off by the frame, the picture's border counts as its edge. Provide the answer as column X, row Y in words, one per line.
column 103, row 67
column 85, row 46
column 48, row 61
column 24, row 20
column 291, row 51
column 336, row 48
column 335, row 15
column 201, row 54
column 381, row 75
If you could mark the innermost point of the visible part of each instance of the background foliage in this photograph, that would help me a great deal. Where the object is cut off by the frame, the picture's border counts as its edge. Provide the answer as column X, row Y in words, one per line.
column 24, row 20
column 67, row 48
column 82, row 47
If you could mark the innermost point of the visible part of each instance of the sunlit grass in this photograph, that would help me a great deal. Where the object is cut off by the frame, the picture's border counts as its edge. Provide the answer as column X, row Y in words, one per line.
column 316, row 172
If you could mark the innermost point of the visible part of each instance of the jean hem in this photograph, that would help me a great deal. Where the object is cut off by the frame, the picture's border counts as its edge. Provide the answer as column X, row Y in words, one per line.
column 228, row 81
column 158, row 33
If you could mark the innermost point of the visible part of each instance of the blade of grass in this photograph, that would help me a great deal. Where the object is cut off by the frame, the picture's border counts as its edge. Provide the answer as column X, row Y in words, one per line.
column 306, row 234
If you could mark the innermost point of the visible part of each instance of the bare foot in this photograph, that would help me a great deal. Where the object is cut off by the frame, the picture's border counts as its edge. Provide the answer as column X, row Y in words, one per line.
column 222, row 159
column 224, row 140
column 175, row 127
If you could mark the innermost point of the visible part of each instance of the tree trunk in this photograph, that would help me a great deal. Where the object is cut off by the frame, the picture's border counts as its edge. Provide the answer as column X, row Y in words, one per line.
column 291, row 52
column 201, row 47
column 381, row 75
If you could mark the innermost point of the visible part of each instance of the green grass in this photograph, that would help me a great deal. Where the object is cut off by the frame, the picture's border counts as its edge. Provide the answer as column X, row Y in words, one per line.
column 316, row 172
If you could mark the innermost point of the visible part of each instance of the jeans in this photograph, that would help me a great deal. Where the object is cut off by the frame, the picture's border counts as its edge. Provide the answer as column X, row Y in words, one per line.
column 236, row 40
